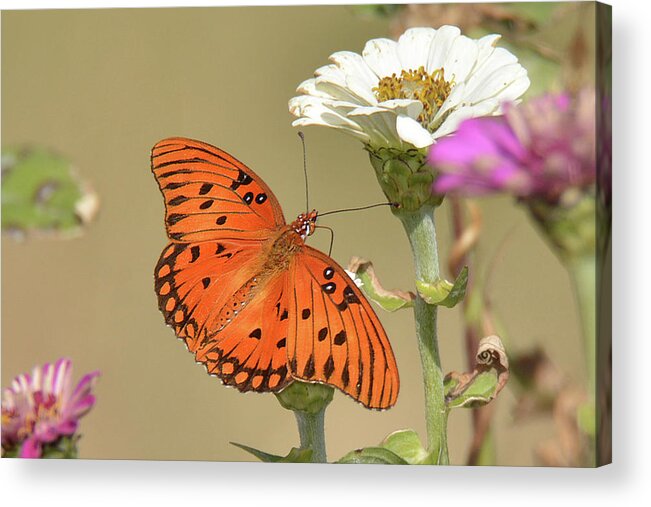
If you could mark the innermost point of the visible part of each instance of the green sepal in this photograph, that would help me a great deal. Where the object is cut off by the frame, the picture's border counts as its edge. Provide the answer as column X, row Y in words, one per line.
column 442, row 292
column 305, row 397
column 62, row 448
column 41, row 194
column 295, row 455
column 372, row 456
column 404, row 176
column 407, row 445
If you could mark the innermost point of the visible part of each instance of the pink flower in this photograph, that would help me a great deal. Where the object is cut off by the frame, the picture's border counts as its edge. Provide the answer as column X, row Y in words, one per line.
column 536, row 150
column 40, row 408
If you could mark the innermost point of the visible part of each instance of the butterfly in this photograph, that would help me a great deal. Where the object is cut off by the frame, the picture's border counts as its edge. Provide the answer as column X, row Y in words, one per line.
column 252, row 301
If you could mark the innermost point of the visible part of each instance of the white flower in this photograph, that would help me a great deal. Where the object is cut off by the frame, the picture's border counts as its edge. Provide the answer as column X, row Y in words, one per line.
column 413, row 91
column 353, row 276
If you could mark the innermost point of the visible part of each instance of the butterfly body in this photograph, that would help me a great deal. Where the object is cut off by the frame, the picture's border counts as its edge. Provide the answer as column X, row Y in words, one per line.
column 253, row 302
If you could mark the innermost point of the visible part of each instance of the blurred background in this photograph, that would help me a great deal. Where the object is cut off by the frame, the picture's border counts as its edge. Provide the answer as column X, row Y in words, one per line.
column 102, row 86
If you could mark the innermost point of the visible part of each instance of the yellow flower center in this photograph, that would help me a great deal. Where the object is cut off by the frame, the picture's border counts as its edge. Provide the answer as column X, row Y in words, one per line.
column 430, row 89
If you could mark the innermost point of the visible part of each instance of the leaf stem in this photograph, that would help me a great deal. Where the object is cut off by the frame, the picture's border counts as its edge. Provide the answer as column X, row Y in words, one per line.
column 421, row 232
column 311, row 429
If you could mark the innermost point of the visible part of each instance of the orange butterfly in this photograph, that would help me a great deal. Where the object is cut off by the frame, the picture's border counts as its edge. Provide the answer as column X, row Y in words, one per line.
column 255, row 304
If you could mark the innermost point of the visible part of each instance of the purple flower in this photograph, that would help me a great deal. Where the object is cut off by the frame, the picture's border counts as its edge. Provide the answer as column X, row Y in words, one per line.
column 40, row 408
column 536, row 150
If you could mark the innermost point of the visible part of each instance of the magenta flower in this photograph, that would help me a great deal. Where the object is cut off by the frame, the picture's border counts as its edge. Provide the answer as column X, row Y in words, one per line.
column 536, row 150
column 40, row 408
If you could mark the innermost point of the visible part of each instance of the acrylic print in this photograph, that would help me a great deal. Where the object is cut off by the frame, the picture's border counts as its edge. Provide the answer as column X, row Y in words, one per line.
column 370, row 234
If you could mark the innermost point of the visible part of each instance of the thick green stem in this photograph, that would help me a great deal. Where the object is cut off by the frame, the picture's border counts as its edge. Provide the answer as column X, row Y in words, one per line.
column 421, row 232
column 583, row 272
column 311, row 428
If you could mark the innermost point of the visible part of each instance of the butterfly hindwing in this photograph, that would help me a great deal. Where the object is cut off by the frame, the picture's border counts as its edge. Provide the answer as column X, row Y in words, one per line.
column 335, row 336
column 210, row 195
column 194, row 281
column 250, row 351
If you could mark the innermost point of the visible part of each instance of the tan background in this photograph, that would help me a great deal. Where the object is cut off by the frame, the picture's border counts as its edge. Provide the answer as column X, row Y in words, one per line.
column 102, row 86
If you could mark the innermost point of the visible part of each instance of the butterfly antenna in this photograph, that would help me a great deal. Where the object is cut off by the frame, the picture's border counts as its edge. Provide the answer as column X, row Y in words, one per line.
column 307, row 193
column 332, row 237
column 392, row 204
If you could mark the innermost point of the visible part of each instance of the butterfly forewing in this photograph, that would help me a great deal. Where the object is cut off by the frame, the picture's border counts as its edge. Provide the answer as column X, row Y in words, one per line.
column 210, row 195
column 335, row 336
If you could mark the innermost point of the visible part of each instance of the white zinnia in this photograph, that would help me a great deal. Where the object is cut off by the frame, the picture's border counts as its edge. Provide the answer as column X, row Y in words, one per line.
column 413, row 91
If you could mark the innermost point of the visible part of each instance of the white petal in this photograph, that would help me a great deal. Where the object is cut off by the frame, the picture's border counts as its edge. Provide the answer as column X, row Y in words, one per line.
column 315, row 109
column 353, row 65
column 404, row 106
column 378, row 123
column 498, row 58
column 337, row 91
column 382, row 57
column 495, row 82
column 306, row 122
column 515, row 90
column 412, row 132
column 451, row 123
column 414, row 46
column 440, row 46
column 486, row 46
column 461, row 59
column 454, row 100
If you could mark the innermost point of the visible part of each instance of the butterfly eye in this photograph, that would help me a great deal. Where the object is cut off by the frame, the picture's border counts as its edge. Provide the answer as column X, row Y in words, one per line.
column 328, row 273
column 260, row 198
column 248, row 197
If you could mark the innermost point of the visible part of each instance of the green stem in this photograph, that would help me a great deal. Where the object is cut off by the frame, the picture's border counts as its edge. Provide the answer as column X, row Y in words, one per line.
column 421, row 232
column 583, row 273
column 311, row 428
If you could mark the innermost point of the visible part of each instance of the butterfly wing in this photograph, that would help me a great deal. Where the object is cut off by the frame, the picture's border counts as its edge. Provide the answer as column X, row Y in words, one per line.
column 210, row 195
column 194, row 281
column 219, row 215
column 250, row 351
column 334, row 336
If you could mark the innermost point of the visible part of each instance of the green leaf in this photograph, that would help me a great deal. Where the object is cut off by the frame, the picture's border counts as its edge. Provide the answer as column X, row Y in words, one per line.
column 372, row 456
column 479, row 392
column 295, row 455
column 483, row 384
column 42, row 194
column 442, row 292
column 364, row 275
column 406, row 444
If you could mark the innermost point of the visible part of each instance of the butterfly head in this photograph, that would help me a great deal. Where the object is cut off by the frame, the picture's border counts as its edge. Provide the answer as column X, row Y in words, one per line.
column 305, row 224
